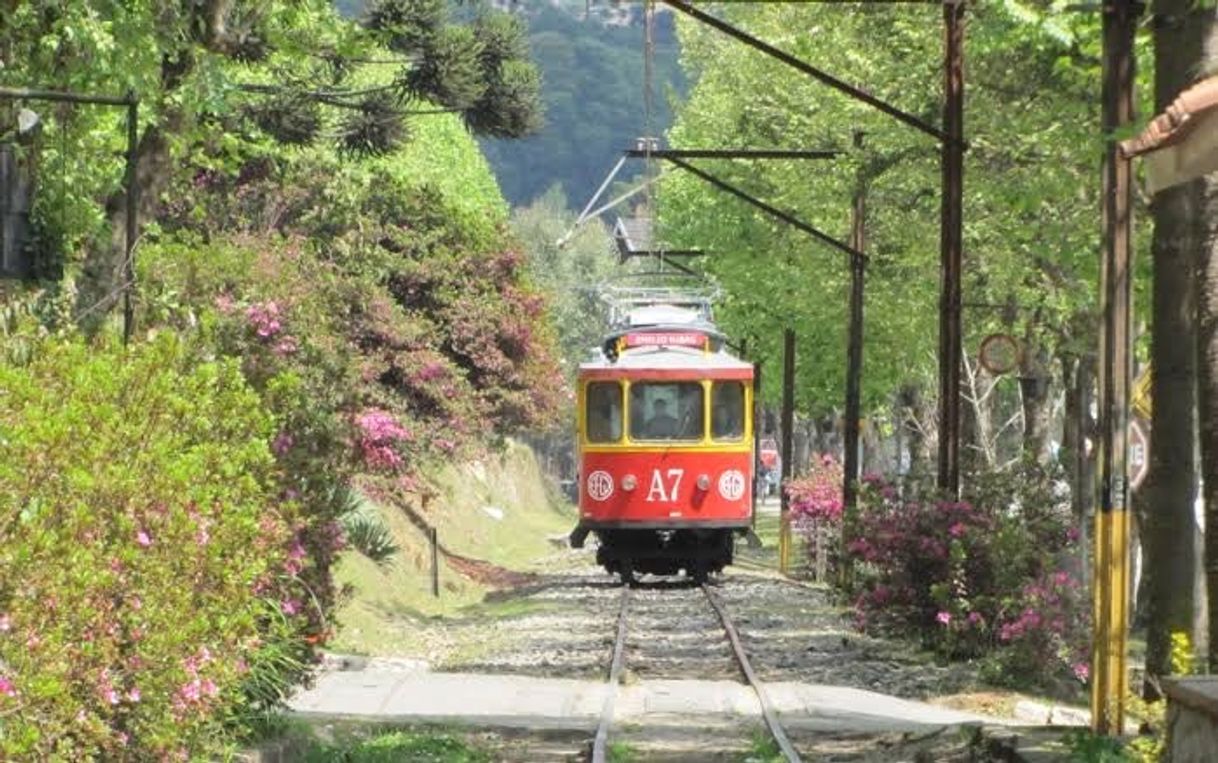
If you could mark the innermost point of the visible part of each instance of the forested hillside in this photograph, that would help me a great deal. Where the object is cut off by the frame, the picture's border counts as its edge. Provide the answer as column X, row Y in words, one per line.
column 592, row 75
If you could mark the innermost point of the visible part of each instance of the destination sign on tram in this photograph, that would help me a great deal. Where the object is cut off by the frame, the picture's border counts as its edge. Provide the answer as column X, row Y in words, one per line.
column 665, row 339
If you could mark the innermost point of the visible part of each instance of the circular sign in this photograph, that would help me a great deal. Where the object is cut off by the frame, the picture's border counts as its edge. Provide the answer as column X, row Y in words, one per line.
column 600, row 486
column 731, row 485
column 1139, row 454
column 999, row 353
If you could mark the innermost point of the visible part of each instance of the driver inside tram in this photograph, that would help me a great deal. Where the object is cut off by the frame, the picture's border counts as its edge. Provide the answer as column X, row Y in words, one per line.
column 661, row 424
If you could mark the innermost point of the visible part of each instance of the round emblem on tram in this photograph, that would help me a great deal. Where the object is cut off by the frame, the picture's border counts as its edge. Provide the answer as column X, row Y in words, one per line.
column 731, row 485
column 600, row 485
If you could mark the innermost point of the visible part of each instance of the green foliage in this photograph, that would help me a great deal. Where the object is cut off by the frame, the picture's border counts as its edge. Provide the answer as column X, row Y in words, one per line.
column 119, row 471
column 369, row 536
column 763, row 749
column 1088, row 747
column 220, row 80
column 569, row 275
column 393, row 746
column 1032, row 187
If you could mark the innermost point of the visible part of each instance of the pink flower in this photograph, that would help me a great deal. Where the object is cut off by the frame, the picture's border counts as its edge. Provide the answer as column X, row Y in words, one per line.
column 5, row 623
column 190, row 691
column 944, row 617
column 110, row 695
column 143, row 538
column 974, row 617
column 956, row 530
column 6, row 687
column 134, row 694
column 282, row 443
column 1082, row 671
column 290, row 606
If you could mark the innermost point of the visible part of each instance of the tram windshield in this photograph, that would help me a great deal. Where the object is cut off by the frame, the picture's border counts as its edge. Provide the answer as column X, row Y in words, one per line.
column 727, row 411
column 604, row 412
column 666, row 411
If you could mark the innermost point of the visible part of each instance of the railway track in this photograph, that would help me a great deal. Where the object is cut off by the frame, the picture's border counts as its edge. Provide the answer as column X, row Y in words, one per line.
column 740, row 658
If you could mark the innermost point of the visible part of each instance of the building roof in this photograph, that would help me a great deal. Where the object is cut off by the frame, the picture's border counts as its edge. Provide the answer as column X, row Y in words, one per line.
column 1177, row 122
column 1180, row 144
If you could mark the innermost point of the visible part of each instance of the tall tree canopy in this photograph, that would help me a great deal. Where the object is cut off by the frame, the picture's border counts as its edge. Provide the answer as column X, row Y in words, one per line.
column 1031, row 183
column 212, row 76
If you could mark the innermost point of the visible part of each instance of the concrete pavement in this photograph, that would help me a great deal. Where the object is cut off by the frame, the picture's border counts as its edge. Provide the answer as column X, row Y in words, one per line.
column 378, row 693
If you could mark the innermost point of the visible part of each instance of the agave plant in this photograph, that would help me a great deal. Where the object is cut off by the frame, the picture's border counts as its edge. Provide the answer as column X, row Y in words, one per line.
column 369, row 535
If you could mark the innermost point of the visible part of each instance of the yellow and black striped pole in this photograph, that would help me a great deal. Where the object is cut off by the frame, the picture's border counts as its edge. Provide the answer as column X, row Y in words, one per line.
column 1110, row 587
column 788, row 455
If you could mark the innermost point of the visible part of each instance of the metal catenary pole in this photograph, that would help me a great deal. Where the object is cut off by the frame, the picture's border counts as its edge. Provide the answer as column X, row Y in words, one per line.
column 131, row 181
column 854, row 364
column 1111, row 564
column 951, row 243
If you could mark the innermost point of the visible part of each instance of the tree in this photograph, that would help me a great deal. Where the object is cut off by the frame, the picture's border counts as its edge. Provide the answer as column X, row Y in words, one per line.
column 570, row 275
column 1206, row 284
column 223, row 72
column 1170, row 490
column 1031, row 188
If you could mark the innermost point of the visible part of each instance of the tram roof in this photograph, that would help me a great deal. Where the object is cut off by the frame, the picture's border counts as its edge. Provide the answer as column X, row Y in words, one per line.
column 669, row 360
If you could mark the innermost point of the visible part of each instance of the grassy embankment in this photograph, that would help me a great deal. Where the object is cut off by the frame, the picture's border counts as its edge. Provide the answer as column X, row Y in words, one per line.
column 500, row 511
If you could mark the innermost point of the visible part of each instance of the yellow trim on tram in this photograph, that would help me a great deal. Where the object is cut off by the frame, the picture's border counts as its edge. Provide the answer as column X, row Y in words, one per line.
column 704, row 445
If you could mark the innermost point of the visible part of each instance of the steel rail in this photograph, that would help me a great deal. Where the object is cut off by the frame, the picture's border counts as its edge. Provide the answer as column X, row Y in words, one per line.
column 767, row 709
column 601, row 742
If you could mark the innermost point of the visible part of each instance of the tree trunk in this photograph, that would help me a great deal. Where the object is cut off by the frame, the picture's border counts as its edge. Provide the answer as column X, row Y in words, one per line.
column 1207, row 364
column 1036, row 398
column 1169, row 495
column 1185, row 39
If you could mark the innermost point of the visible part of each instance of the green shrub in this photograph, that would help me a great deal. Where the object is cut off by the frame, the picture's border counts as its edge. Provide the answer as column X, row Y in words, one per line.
column 137, row 519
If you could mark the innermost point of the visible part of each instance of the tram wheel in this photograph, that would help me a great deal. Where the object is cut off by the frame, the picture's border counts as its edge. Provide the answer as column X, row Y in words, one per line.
column 699, row 572
column 626, row 571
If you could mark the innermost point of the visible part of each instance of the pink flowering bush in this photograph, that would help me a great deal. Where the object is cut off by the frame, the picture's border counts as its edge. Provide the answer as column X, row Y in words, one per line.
column 142, row 515
column 379, row 435
column 816, row 504
column 980, row 577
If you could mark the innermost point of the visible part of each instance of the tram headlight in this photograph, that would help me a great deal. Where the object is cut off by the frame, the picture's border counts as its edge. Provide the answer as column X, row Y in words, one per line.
column 629, row 482
column 704, row 482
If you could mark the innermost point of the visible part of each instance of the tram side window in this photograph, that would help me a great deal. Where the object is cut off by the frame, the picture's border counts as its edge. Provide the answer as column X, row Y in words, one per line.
column 727, row 411
column 666, row 411
column 604, row 412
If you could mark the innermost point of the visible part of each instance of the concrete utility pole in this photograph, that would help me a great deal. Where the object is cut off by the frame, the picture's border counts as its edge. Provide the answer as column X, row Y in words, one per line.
column 1111, row 568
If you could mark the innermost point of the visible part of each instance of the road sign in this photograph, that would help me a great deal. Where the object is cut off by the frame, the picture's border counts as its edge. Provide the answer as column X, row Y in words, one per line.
column 999, row 353
column 1139, row 454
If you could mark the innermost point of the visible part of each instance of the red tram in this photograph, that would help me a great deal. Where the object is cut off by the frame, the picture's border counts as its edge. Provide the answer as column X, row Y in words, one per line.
column 665, row 441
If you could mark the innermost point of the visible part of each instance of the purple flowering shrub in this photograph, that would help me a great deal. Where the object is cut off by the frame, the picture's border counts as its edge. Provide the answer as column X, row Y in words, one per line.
column 141, row 543
column 988, row 576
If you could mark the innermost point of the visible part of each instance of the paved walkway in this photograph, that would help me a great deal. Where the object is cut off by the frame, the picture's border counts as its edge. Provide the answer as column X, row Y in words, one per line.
column 394, row 693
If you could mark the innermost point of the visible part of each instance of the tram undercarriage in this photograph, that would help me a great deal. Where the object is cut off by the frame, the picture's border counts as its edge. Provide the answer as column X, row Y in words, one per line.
column 697, row 551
